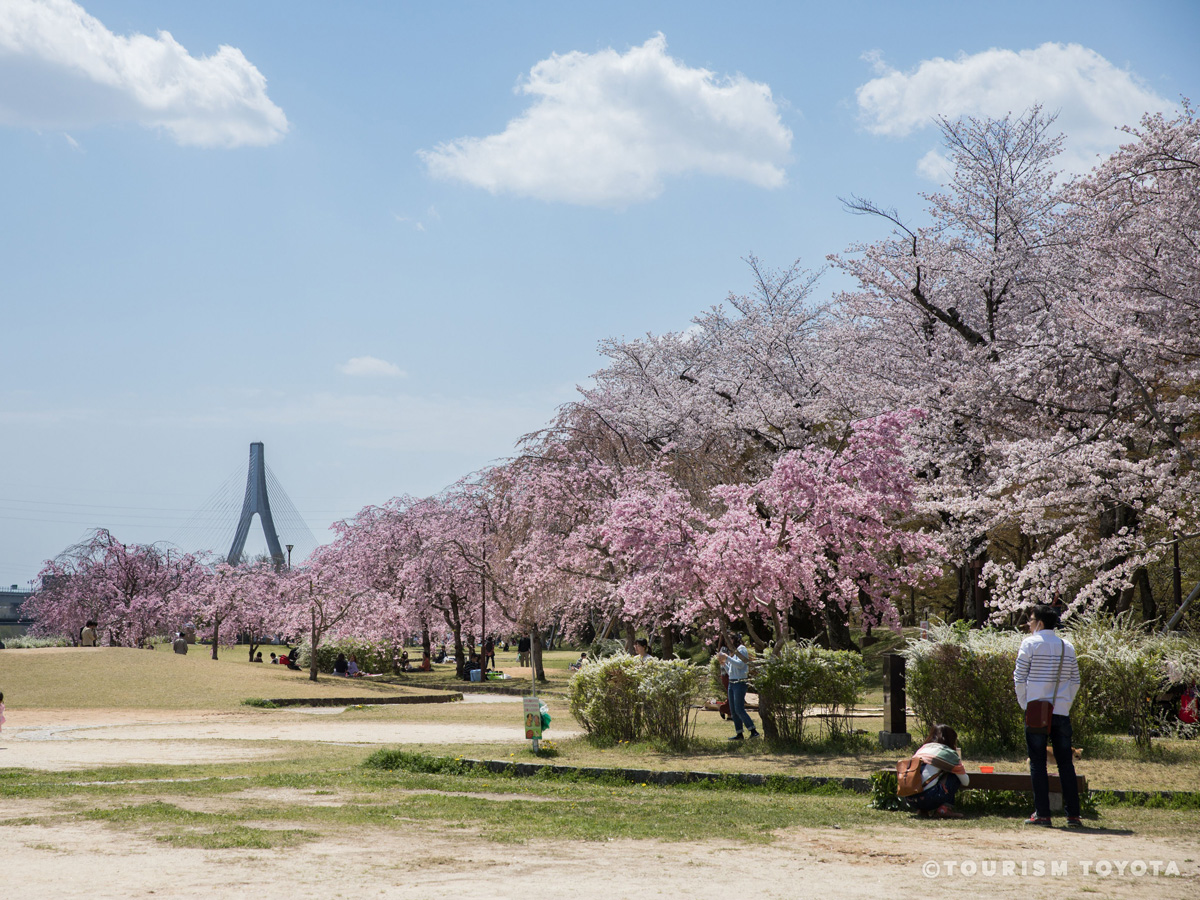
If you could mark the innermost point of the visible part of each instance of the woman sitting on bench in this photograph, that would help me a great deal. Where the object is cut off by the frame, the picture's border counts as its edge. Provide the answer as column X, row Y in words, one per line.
column 942, row 774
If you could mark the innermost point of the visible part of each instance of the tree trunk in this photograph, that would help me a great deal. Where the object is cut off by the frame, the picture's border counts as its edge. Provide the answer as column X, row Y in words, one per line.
column 668, row 643
column 426, row 644
column 960, row 596
column 314, row 640
column 801, row 622
column 535, row 651
column 979, row 590
column 837, row 629
column 217, row 640
column 1149, row 607
column 630, row 637
column 1176, row 576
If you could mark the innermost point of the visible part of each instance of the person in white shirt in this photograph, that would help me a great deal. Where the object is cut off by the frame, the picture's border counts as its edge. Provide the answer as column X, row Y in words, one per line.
column 1048, row 670
column 737, row 667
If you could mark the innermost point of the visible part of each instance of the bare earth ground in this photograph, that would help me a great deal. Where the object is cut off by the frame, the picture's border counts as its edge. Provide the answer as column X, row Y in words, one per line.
column 73, row 859
column 48, row 857
column 81, row 738
column 88, row 860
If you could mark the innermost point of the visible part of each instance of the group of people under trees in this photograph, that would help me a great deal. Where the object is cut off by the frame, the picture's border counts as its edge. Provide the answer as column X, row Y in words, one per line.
column 1046, row 680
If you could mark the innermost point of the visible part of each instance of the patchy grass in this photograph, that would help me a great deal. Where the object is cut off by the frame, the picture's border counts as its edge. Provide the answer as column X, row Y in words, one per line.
column 188, row 828
column 258, row 806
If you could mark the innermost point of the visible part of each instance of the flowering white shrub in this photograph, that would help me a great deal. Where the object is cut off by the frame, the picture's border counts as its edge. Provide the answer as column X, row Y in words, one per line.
column 622, row 698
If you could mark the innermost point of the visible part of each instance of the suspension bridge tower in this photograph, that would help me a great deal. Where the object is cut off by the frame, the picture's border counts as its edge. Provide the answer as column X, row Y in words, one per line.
column 256, row 501
column 231, row 509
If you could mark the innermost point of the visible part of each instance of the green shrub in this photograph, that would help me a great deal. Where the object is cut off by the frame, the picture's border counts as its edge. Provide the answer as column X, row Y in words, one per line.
column 795, row 679
column 622, row 698
column 28, row 642
column 883, row 792
column 963, row 678
column 379, row 658
column 1126, row 669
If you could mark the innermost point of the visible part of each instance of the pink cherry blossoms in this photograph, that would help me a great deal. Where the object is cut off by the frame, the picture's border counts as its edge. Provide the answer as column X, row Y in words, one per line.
column 1003, row 409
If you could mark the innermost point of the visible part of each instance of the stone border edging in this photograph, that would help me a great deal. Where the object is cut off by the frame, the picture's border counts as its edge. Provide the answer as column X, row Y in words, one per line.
column 655, row 776
column 445, row 697
column 1100, row 793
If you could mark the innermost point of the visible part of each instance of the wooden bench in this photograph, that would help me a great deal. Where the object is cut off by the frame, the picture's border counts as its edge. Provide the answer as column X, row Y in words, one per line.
column 1023, row 781
column 1019, row 781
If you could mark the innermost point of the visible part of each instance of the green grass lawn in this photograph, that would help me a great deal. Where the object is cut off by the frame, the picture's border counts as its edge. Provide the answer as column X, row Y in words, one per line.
column 120, row 678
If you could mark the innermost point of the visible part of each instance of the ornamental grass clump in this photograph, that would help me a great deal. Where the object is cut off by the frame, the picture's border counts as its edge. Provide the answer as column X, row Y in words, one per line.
column 1125, row 669
column 622, row 698
column 796, row 679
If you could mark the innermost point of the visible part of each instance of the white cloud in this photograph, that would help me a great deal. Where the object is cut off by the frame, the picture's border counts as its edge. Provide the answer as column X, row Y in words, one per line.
column 1091, row 95
column 370, row 367
column 606, row 128
column 935, row 166
column 62, row 68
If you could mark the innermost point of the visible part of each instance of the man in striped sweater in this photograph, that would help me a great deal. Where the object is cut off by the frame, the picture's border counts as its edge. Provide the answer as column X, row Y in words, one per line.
column 1047, row 670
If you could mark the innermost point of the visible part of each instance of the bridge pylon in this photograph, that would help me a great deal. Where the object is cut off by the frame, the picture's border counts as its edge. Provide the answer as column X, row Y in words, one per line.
column 256, row 501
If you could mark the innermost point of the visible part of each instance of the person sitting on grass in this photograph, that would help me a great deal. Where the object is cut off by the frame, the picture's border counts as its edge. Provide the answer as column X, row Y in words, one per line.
column 426, row 662
column 942, row 774
column 470, row 666
column 405, row 665
column 340, row 666
column 274, row 660
column 578, row 664
column 352, row 669
column 258, row 657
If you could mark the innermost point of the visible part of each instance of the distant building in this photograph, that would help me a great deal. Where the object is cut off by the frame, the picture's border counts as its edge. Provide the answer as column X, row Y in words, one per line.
column 10, row 610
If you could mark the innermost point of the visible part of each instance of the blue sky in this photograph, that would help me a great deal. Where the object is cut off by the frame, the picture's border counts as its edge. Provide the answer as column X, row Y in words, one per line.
column 196, row 244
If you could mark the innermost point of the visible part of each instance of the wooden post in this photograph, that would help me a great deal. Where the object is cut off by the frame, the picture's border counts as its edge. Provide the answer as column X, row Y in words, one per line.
column 895, row 725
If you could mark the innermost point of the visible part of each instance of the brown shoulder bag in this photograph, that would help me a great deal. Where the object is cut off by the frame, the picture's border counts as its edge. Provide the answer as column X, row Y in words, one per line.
column 1039, row 713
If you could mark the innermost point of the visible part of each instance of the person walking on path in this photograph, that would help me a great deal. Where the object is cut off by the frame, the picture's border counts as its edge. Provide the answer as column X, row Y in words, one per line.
column 737, row 667
column 1047, row 670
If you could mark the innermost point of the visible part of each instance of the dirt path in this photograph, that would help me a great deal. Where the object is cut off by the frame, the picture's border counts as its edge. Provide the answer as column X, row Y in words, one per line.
column 89, row 860
column 70, row 739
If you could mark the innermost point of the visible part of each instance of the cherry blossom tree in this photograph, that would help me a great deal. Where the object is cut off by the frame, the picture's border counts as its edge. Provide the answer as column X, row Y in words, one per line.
column 226, row 601
column 820, row 535
column 129, row 589
column 322, row 596
column 1039, row 323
